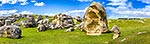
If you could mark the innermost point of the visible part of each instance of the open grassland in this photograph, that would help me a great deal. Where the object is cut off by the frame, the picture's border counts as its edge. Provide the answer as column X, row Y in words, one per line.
column 129, row 30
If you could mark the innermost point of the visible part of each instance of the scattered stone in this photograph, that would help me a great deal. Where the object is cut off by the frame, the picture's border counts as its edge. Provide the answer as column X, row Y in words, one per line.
column 139, row 33
column 115, row 29
column 69, row 30
column 123, row 39
column 106, row 42
column 141, row 21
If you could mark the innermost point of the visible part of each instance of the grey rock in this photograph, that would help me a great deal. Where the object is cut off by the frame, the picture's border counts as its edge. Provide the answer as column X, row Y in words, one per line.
column 29, row 22
column 41, row 27
column 10, row 31
column 39, row 17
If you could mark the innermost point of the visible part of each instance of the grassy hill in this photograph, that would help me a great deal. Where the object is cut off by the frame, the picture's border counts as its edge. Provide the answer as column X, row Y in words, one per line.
column 129, row 30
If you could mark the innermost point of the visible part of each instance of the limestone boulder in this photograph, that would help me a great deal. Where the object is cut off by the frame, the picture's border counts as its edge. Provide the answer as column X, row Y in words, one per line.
column 95, row 20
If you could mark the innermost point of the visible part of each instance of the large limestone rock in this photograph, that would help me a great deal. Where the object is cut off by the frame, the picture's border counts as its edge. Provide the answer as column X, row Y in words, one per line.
column 95, row 20
column 10, row 31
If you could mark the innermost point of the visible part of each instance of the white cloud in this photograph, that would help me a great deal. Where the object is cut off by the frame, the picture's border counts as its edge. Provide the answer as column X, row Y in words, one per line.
column 39, row 4
column 6, row 12
column 22, row 0
column 103, row 2
column 125, row 9
column 128, row 10
column 25, row 12
column 8, row 1
column 1, row 5
column 75, row 13
column 50, row 14
column 33, row 1
column 117, row 2
column 24, row 3
column 145, row 1
column 85, row 0
column 13, row 2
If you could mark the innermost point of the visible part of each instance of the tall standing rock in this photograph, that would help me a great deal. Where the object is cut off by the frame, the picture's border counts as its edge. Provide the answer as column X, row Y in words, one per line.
column 95, row 20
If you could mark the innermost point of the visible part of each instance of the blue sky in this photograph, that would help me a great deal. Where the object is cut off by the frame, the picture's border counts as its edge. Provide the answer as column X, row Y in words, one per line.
column 114, row 8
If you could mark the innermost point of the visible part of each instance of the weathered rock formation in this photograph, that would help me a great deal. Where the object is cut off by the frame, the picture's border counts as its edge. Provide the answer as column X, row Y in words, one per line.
column 95, row 20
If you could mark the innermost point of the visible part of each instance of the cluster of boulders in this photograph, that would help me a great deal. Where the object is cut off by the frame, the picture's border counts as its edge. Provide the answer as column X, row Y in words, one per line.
column 94, row 22
column 59, row 21
column 62, row 21
column 9, row 30
column 12, row 19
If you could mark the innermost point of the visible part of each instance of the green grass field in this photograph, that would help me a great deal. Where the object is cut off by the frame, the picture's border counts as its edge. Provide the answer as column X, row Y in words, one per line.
column 129, row 30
